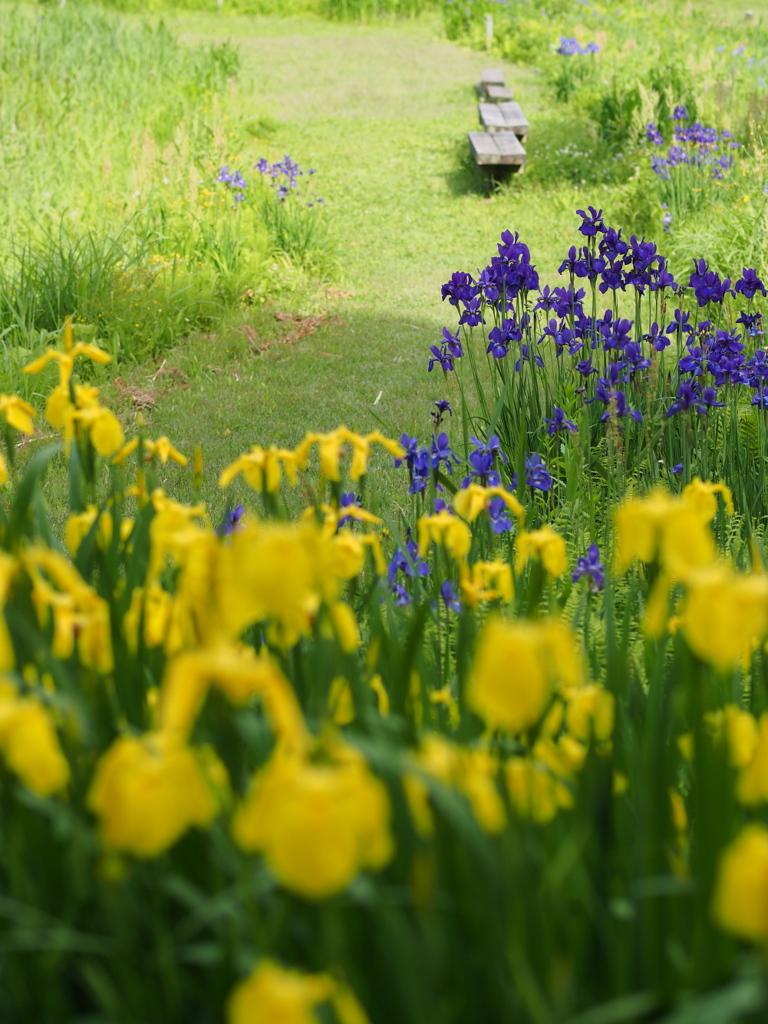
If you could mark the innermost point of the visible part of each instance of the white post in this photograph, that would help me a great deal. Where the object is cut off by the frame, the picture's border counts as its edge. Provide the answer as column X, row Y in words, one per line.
column 488, row 31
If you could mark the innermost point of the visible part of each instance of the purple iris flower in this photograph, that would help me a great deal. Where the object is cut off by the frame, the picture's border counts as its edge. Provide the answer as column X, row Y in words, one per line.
column 751, row 323
column 439, row 356
column 537, row 475
column 442, row 408
column 592, row 568
column 450, row 597
column 706, row 284
column 499, row 513
column 680, row 323
column 232, row 521
column 592, row 222
column 499, row 338
column 442, row 453
column 656, row 338
column 559, row 422
column 749, row 284
column 407, row 561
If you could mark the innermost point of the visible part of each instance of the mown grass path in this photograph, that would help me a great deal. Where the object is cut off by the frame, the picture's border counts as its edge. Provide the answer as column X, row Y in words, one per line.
column 382, row 113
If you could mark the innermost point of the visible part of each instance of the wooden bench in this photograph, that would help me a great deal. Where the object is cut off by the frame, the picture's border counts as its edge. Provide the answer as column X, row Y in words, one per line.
column 503, row 117
column 506, row 127
column 500, row 149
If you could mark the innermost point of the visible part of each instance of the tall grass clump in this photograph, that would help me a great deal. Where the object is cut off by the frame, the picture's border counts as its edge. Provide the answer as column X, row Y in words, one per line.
column 115, row 134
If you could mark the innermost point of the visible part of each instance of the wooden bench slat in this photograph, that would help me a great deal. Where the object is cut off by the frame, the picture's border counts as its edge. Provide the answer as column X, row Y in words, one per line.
column 509, row 147
column 502, row 148
column 499, row 93
column 484, row 148
column 491, row 116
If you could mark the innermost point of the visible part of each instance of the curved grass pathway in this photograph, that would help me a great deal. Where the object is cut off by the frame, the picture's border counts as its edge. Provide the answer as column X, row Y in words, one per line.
column 382, row 112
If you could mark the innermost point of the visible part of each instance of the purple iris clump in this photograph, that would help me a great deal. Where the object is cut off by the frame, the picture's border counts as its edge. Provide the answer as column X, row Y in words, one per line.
column 585, row 367
column 680, row 113
column 590, row 567
column 653, row 135
column 570, row 47
column 559, row 422
column 757, row 369
column 614, row 333
column 567, row 301
column 509, row 273
column 760, row 399
column 563, row 337
column 232, row 521
column 612, row 245
column 537, row 475
column 284, row 177
column 472, row 313
column 750, row 284
column 527, row 355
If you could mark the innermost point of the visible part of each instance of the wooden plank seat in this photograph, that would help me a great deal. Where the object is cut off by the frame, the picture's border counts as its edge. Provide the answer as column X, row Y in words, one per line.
column 497, row 149
column 503, row 117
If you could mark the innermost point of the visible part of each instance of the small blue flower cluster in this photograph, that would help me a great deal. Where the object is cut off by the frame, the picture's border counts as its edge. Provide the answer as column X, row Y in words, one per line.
column 234, row 180
column 284, row 177
column 570, row 47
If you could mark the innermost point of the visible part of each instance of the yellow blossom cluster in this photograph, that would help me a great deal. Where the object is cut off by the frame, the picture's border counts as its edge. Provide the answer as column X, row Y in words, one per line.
column 73, row 408
column 722, row 613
